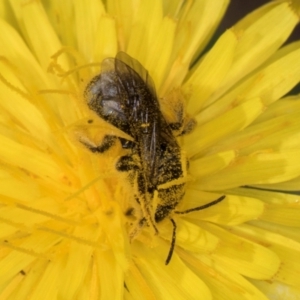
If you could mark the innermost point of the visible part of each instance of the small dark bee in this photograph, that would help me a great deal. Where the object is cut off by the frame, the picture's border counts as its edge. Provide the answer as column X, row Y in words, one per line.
column 124, row 95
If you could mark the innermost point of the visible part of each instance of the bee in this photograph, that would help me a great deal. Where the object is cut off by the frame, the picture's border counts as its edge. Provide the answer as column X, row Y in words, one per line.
column 123, row 94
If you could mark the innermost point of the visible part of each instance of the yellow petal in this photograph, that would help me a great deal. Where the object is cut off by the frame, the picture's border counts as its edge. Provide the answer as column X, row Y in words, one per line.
column 270, row 82
column 33, row 275
column 232, row 121
column 160, row 51
column 260, row 33
column 25, row 251
column 242, row 255
column 34, row 21
column 174, row 281
column 190, row 236
column 209, row 74
column 87, row 17
column 60, row 13
column 285, row 106
column 211, row 164
column 277, row 290
column 13, row 46
column 258, row 168
column 279, row 133
column 108, row 268
column 223, row 282
column 280, row 208
column 137, row 286
column 287, row 250
column 197, row 21
column 290, row 185
column 233, row 210
column 104, row 45
column 21, row 109
column 36, row 161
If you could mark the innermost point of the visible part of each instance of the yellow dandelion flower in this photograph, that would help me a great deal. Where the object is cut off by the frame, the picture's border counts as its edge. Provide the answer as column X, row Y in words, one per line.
column 64, row 231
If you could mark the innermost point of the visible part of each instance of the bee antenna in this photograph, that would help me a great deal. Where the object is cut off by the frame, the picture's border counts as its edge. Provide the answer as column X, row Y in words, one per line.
column 201, row 207
column 172, row 243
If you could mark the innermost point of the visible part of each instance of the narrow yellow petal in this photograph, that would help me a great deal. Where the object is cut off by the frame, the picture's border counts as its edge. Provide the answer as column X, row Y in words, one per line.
column 288, row 216
column 137, row 285
column 87, row 17
column 60, row 13
column 34, row 22
column 258, row 168
column 21, row 109
column 279, row 208
column 174, row 281
column 277, row 290
column 147, row 20
column 279, row 133
column 270, row 82
column 31, row 278
column 172, row 7
column 104, row 45
column 197, row 21
column 271, row 87
column 288, row 232
column 13, row 46
column 233, row 210
column 6, row 13
column 73, row 277
column 47, row 286
column 211, row 164
column 287, row 250
column 244, row 256
column 190, row 236
column 261, row 33
column 285, row 106
column 223, row 282
column 160, row 51
column 24, row 252
column 37, row 162
column 108, row 268
column 290, row 185
column 232, row 121
column 209, row 74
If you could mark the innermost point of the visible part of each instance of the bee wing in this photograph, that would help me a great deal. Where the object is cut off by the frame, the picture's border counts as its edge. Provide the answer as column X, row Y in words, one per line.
column 148, row 125
column 125, row 64
column 135, row 68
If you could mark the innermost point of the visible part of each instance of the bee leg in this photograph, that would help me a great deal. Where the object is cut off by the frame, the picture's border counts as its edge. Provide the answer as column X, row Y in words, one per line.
column 188, row 126
column 107, row 142
column 137, row 229
column 172, row 243
column 207, row 205
column 183, row 127
column 127, row 163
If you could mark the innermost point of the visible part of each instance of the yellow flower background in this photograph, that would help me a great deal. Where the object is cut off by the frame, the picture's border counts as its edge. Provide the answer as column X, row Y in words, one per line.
column 63, row 232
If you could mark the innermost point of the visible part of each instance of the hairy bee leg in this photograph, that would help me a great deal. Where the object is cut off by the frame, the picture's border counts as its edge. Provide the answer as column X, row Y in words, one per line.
column 137, row 229
column 107, row 142
column 127, row 163
column 189, row 126
column 146, row 196
column 201, row 207
column 170, row 254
